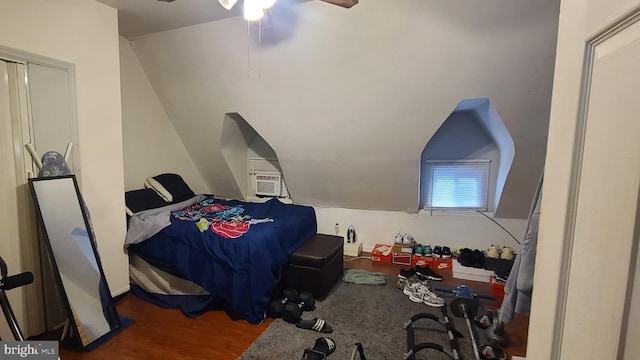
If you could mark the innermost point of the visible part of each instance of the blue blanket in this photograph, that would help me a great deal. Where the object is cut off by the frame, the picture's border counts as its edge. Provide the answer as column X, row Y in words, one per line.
column 232, row 249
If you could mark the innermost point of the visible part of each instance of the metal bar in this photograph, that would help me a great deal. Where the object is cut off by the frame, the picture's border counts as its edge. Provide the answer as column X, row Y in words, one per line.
column 11, row 318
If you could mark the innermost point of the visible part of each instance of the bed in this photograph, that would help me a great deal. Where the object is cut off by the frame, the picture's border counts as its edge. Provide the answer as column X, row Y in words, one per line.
column 201, row 252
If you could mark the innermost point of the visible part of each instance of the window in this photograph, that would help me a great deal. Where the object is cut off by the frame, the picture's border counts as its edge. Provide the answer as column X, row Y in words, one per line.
column 457, row 185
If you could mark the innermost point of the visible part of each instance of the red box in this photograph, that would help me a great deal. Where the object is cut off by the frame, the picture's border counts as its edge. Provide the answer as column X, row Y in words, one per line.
column 381, row 253
column 419, row 260
column 442, row 264
column 401, row 259
column 497, row 289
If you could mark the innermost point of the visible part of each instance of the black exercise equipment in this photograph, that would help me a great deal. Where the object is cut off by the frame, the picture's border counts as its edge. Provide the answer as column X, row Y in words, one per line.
column 8, row 283
column 465, row 304
column 358, row 350
column 293, row 309
column 485, row 320
column 276, row 307
column 496, row 334
column 411, row 354
column 413, row 348
column 488, row 352
column 453, row 334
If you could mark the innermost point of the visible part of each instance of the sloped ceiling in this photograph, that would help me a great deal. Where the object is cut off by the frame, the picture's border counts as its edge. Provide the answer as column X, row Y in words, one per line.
column 349, row 98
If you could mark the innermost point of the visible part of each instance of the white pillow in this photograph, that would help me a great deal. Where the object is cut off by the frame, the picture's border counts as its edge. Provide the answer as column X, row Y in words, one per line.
column 151, row 183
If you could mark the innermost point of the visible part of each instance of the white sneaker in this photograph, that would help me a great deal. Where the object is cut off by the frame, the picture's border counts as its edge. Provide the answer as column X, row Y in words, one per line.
column 417, row 293
column 432, row 299
column 421, row 293
column 398, row 239
column 412, row 284
column 507, row 253
column 493, row 252
column 407, row 239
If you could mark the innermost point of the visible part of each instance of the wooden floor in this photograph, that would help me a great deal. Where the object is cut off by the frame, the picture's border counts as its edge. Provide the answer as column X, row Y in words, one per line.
column 167, row 334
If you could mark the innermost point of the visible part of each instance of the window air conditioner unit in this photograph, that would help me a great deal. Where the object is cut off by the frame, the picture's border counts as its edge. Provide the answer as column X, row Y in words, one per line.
column 268, row 184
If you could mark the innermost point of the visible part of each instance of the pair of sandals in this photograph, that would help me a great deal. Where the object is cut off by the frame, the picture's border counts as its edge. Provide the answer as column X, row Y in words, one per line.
column 323, row 347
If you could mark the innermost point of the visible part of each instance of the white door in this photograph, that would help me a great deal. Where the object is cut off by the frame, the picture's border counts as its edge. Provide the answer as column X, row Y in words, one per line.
column 589, row 228
column 18, row 245
column 35, row 107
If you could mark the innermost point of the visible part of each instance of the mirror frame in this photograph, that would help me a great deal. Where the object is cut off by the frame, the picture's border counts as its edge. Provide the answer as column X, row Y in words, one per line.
column 63, row 293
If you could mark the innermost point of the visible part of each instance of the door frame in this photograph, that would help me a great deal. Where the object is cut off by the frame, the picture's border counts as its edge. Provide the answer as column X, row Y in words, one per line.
column 21, row 123
column 614, row 28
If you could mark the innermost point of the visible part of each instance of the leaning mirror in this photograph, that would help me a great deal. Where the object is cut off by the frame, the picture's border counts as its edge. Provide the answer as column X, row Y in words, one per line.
column 72, row 250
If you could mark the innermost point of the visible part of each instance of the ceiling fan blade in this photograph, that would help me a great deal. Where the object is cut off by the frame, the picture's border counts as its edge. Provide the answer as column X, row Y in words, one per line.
column 227, row 4
column 344, row 3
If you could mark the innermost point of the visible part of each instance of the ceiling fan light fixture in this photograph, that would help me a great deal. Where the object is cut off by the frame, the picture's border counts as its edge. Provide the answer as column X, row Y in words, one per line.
column 252, row 10
column 266, row 4
column 227, row 4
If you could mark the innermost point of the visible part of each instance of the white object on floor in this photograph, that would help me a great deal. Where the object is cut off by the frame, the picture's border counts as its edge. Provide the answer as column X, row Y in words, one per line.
column 518, row 358
column 470, row 273
column 352, row 249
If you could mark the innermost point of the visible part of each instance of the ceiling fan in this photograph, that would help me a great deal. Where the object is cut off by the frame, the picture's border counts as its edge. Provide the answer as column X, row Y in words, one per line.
column 254, row 9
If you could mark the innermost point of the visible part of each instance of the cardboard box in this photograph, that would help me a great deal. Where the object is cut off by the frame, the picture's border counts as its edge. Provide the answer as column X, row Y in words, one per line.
column 442, row 264
column 497, row 289
column 419, row 260
column 401, row 258
column 403, row 249
column 470, row 273
column 381, row 253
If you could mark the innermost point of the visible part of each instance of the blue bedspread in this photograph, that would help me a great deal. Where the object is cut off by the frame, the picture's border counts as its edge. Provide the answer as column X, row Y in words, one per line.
column 232, row 249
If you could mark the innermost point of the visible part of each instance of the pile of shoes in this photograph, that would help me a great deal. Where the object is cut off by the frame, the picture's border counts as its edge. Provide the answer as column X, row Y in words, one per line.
column 423, row 250
column 442, row 252
column 404, row 239
column 502, row 275
column 505, row 253
column 290, row 306
column 471, row 258
column 415, row 284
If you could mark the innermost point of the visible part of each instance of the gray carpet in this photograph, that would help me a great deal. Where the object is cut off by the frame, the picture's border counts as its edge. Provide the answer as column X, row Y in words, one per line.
column 372, row 315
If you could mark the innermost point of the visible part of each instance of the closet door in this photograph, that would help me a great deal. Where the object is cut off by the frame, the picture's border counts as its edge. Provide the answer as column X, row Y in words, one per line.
column 19, row 245
column 36, row 107
column 52, row 119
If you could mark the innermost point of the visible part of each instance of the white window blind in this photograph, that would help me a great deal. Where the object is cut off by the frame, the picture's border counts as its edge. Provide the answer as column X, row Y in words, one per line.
column 461, row 185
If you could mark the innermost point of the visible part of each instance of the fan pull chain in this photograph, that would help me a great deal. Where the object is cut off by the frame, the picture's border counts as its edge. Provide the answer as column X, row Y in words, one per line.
column 248, row 50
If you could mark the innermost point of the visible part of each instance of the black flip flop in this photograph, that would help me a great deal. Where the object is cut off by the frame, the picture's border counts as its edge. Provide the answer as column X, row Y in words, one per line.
column 316, row 324
column 321, row 349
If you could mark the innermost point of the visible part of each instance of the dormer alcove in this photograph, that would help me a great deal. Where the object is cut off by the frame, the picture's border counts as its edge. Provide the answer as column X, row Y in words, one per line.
column 465, row 164
column 252, row 161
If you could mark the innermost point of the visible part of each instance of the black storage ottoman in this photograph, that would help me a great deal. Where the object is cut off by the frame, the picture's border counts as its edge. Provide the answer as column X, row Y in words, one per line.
column 316, row 266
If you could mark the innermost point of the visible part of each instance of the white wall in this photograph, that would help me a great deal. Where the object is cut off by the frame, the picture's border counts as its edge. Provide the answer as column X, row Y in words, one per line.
column 470, row 230
column 151, row 145
column 84, row 33
column 349, row 98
